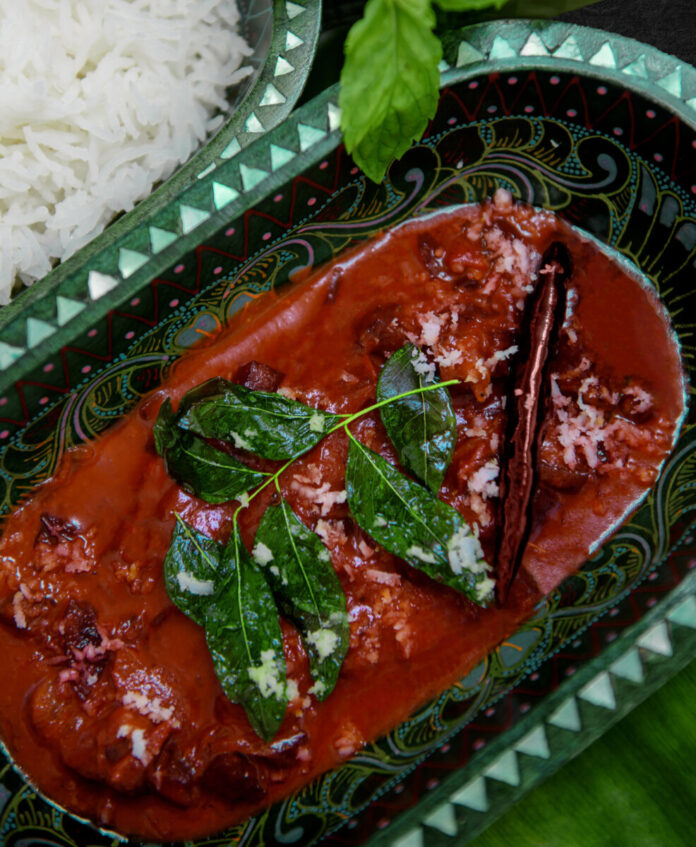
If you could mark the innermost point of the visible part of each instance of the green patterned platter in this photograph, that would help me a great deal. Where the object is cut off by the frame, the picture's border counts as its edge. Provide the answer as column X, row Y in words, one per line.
column 283, row 35
column 599, row 129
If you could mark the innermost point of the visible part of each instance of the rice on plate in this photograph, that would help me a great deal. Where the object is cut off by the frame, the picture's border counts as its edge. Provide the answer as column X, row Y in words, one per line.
column 100, row 100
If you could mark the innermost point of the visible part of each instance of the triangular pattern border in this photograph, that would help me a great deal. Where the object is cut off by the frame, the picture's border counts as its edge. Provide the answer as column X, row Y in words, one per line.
column 548, row 744
column 552, row 43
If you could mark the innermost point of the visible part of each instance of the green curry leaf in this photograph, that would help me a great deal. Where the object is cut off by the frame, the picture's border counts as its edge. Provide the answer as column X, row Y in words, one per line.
column 410, row 522
column 224, row 590
column 200, row 468
column 192, row 571
column 298, row 567
column 245, row 641
column 268, row 424
column 422, row 427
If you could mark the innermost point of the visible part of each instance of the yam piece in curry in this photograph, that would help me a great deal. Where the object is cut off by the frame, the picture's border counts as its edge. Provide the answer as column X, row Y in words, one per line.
column 109, row 700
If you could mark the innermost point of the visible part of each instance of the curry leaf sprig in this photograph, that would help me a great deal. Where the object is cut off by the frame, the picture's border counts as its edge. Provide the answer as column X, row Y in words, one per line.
column 235, row 594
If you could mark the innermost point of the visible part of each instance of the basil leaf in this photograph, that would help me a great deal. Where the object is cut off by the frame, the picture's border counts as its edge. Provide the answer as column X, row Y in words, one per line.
column 389, row 82
column 246, row 643
column 298, row 567
column 199, row 468
column 422, row 427
column 191, row 570
column 410, row 522
column 264, row 423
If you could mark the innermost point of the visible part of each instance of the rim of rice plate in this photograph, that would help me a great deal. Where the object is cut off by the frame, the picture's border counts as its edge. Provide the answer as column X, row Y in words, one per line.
column 101, row 100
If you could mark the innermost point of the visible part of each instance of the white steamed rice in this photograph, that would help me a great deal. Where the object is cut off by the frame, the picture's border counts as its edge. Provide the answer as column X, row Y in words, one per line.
column 99, row 100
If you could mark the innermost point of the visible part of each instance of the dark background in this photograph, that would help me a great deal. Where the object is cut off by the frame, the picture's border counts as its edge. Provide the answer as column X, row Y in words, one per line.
column 669, row 25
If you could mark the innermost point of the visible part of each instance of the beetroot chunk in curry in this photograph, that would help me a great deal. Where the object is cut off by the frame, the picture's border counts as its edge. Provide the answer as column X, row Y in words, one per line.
column 110, row 701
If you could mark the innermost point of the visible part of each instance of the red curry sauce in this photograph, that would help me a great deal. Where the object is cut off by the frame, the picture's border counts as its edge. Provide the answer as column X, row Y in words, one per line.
column 91, row 644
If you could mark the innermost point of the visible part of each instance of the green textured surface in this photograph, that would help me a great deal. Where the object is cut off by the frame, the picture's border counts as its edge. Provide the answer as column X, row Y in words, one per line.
column 636, row 785
column 580, row 711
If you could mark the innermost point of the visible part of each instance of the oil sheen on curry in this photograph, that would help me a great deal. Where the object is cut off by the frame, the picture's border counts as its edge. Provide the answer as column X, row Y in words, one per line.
column 110, row 702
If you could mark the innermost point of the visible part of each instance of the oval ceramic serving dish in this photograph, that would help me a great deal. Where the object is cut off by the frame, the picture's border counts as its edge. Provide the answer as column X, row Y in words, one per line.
column 599, row 130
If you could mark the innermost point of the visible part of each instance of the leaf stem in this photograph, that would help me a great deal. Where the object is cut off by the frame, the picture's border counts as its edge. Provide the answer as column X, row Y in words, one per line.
column 349, row 419
column 354, row 416
column 272, row 478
